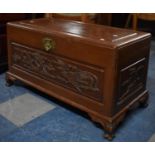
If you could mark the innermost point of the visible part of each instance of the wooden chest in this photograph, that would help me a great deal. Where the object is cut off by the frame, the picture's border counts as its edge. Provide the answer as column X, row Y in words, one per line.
column 98, row 69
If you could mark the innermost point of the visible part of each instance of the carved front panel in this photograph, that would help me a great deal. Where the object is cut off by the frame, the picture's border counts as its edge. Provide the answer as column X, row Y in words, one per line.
column 132, row 80
column 83, row 79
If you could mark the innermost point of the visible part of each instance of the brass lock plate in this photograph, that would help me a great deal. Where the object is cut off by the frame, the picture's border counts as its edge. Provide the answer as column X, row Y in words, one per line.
column 48, row 44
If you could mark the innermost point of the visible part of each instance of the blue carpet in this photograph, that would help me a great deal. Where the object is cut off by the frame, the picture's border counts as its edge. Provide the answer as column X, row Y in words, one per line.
column 6, row 126
column 67, row 124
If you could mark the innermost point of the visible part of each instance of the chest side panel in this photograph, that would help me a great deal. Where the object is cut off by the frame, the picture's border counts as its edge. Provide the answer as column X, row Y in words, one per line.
column 132, row 71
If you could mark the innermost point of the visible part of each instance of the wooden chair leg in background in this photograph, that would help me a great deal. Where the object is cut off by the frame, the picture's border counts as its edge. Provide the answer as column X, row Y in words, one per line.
column 134, row 22
column 128, row 20
column 134, row 19
column 84, row 17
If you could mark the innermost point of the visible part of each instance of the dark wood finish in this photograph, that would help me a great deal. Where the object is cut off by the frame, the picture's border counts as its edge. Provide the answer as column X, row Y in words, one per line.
column 4, row 18
column 99, row 69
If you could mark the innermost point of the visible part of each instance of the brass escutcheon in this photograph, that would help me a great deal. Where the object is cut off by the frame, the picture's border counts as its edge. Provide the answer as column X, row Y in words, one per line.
column 49, row 44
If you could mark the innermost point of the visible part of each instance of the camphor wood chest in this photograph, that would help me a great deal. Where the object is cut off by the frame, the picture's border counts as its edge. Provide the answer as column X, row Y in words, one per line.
column 98, row 69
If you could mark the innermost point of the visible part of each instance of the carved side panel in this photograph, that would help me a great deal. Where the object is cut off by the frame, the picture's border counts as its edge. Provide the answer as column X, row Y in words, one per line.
column 82, row 79
column 132, row 80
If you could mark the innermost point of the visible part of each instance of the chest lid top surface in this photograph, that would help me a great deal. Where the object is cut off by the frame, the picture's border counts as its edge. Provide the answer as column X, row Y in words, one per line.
column 104, row 35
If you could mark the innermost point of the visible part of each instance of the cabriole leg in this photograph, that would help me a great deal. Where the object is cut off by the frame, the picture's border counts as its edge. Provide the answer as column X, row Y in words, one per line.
column 109, row 131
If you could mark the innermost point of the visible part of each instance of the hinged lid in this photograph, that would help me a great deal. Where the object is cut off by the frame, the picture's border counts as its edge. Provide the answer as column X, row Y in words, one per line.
column 105, row 35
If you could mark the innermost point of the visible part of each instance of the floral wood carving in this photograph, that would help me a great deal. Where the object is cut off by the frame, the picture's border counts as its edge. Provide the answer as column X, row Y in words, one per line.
column 58, row 70
column 131, row 80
